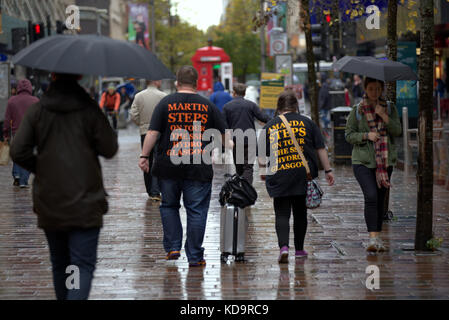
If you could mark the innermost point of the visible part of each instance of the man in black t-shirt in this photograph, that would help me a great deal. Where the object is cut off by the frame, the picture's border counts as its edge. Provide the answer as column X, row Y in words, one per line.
column 183, row 163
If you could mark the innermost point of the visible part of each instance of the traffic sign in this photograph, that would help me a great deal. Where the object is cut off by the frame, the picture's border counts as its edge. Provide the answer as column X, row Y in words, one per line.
column 278, row 43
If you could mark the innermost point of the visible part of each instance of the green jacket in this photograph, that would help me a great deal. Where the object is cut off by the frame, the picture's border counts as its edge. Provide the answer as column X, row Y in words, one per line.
column 363, row 151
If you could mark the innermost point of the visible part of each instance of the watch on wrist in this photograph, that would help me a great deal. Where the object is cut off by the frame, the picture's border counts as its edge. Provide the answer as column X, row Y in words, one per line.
column 328, row 171
column 145, row 157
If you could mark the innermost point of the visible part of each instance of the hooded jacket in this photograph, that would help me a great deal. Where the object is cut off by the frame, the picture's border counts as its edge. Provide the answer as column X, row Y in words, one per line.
column 220, row 97
column 17, row 106
column 70, row 132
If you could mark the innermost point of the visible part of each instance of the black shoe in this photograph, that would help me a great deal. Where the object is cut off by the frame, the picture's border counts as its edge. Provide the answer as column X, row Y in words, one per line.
column 388, row 216
column 240, row 257
column 224, row 257
column 16, row 182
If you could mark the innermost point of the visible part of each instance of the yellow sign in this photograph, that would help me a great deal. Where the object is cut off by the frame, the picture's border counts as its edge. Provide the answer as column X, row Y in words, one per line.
column 271, row 87
column 271, row 76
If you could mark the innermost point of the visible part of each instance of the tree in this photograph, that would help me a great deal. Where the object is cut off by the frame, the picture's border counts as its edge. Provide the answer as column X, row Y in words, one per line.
column 176, row 40
column 392, row 44
column 425, row 130
column 235, row 35
column 313, row 86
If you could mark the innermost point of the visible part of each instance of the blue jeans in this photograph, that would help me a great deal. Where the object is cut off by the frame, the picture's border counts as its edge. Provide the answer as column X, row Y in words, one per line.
column 324, row 114
column 196, row 197
column 20, row 173
column 73, row 248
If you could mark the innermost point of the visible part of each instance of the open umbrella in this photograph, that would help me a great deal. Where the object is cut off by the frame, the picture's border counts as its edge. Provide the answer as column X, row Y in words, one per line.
column 385, row 70
column 92, row 55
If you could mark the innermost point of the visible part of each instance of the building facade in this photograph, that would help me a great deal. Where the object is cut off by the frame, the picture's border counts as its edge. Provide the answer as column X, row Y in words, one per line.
column 114, row 24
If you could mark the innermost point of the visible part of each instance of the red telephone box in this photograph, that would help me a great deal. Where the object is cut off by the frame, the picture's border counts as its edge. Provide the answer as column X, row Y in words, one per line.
column 207, row 61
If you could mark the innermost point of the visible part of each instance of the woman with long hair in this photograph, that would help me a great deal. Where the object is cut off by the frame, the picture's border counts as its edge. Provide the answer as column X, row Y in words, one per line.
column 286, row 178
column 371, row 128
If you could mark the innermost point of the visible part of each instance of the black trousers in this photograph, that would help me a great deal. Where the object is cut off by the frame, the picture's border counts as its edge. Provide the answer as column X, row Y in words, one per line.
column 245, row 169
column 374, row 197
column 283, row 207
column 151, row 183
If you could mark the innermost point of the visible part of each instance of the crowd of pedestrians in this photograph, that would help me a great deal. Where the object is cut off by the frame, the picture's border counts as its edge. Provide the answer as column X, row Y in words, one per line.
column 69, row 132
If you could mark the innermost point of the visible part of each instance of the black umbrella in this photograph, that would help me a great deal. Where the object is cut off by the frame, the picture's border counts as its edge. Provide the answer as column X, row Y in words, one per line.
column 385, row 70
column 92, row 55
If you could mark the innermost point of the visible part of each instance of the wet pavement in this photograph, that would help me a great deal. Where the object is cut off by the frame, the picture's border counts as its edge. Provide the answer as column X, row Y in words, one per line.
column 131, row 262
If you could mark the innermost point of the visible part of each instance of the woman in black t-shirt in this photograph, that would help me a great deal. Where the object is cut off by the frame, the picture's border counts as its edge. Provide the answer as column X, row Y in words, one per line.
column 285, row 177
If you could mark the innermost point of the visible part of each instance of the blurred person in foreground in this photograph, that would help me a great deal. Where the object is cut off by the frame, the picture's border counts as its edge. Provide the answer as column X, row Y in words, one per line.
column 69, row 132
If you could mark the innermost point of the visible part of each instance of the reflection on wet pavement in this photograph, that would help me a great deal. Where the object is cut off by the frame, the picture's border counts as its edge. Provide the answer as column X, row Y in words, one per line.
column 131, row 259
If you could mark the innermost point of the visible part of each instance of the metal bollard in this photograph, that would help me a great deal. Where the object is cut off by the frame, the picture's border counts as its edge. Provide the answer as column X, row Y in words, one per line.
column 407, row 153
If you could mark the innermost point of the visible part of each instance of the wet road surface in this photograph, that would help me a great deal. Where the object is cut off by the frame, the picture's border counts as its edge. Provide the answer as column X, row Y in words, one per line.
column 131, row 262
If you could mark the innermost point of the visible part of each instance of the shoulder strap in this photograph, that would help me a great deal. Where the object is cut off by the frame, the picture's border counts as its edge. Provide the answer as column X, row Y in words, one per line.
column 298, row 148
column 357, row 113
column 389, row 107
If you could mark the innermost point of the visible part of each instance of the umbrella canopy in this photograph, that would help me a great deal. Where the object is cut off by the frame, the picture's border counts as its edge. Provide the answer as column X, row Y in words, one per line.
column 92, row 55
column 385, row 70
column 130, row 89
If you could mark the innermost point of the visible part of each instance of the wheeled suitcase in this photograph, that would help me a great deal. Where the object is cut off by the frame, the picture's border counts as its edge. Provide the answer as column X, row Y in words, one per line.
column 233, row 227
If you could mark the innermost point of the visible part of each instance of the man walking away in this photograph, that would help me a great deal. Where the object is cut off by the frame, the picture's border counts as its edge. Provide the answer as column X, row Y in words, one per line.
column 110, row 104
column 141, row 112
column 17, row 106
column 220, row 97
column 325, row 102
column 188, row 114
column 240, row 114
column 357, row 89
column 69, row 132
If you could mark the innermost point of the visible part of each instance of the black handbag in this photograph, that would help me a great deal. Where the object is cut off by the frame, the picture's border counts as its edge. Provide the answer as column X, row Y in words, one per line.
column 239, row 192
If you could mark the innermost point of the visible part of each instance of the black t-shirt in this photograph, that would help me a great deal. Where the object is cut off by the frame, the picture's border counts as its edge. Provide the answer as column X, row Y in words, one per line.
column 177, row 113
column 290, row 178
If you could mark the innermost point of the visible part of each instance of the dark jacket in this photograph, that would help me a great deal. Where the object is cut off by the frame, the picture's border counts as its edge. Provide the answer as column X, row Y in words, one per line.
column 220, row 97
column 324, row 97
column 241, row 113
column 17, row 106
column 70, row 132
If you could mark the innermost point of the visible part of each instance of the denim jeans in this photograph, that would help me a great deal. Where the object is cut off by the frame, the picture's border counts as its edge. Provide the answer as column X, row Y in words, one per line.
column 324, row 115
column 151, row 182
column 196, row 198
column 20, row 173
column 73, row 248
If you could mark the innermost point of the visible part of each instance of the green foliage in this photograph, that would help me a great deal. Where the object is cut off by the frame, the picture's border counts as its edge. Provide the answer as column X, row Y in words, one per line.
column 434, row 243
column 236, row 37
column 176, row 40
